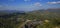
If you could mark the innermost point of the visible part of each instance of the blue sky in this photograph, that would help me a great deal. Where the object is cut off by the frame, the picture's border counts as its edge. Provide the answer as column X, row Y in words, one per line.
column 28, row 5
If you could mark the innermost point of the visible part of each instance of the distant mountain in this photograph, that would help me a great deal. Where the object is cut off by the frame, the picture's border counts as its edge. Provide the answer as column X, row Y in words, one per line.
column 57, row 10
column 10, row 13
column 4, row 12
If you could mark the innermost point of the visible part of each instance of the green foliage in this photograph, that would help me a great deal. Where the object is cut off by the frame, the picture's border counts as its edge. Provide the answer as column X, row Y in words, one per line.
column 54, row 19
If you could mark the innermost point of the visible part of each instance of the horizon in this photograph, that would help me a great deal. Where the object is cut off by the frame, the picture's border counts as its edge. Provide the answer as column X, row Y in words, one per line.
column 28, row 5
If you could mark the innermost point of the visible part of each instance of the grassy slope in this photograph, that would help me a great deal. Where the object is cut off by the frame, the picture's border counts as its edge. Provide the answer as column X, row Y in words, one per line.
column 54, row 19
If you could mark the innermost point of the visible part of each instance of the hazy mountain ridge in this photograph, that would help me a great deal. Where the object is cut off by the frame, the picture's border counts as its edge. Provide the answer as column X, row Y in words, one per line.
column 9, row 13
column 57, row 10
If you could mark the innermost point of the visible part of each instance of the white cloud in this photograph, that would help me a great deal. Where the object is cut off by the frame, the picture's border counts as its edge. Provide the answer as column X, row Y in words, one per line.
column 5, row 7
column 37, row 4
column 58, row 2
column 19, row 7
column 26, row 0
column 11, row 0
column 51, row 2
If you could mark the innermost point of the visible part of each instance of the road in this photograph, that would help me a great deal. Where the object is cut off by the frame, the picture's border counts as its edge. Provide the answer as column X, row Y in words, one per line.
column 21, row 25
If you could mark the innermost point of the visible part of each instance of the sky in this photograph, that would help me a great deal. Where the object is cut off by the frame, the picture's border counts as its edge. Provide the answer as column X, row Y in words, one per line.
column 28, row 5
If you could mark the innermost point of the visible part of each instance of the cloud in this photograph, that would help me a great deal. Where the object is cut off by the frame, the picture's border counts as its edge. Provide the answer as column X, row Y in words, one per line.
column 19, row 7
column 11, row 0
column 26, row 0
column 6, row 6
column 52, row 3
column 37, row 4
column 58, row 2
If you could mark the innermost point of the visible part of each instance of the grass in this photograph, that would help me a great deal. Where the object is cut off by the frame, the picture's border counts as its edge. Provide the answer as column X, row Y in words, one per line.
column 50, row 20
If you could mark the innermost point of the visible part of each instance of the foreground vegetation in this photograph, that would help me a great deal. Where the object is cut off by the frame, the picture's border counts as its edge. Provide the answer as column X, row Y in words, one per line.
column 49, row 19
